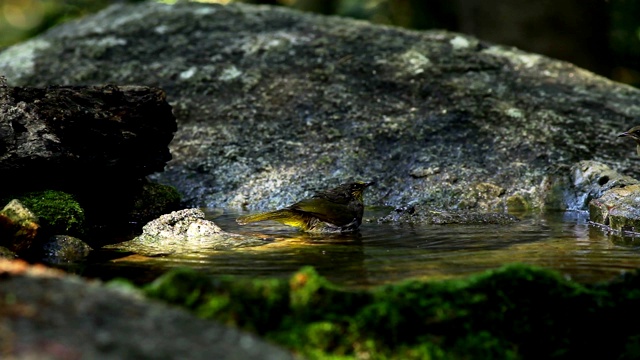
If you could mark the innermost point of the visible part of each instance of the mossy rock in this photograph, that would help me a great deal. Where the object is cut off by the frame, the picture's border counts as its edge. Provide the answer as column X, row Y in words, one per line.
column 514, row 312
column 58, row 212
column 153, row 201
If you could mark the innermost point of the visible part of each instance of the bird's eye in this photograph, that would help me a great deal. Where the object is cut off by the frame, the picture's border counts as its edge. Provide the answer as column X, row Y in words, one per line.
column 637, row 132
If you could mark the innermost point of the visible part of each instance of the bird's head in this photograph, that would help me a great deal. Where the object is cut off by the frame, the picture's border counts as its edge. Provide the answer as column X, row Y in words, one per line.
column 633, row 133
column 356, row 188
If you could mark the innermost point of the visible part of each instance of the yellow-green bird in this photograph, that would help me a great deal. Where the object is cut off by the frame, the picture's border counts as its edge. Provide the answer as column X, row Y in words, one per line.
column 633, row 133
column 335, row 210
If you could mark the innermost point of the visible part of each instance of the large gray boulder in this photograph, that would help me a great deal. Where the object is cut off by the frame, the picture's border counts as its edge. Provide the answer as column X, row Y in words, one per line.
column 273, row 104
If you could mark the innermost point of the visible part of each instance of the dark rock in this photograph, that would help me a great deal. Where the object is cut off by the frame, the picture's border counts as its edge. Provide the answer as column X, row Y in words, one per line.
column 120, row 210
column 18, row 227
column 82, row 134
column 184, row 231
column 153, row 201
column 98, row 143
column 274, row 104
column 49, row 315
column 421, row 215
column 63, row 249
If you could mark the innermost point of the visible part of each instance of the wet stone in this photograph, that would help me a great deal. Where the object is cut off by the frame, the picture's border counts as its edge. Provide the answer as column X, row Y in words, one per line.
column 64, row 248
column 18, row 226
column 423, row 215
column 184, row 231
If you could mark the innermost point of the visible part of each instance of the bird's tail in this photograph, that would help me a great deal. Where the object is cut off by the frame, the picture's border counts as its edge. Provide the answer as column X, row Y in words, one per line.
column 284, row 216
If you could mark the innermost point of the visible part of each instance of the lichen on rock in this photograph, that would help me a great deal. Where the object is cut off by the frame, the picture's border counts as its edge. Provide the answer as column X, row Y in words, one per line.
column 273, row 104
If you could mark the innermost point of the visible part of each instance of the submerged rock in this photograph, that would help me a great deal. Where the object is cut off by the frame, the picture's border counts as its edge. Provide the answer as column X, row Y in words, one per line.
column 64, row 248
column 184, row 231
column 274, row 104
column 422, row 215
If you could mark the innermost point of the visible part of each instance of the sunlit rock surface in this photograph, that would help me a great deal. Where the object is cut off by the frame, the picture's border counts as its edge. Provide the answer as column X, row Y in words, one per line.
column 274, row 104
column 618, row 208
column 184, row 231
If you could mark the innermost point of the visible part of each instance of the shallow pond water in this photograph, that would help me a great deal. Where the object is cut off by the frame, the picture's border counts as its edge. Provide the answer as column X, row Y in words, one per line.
column 385, row 253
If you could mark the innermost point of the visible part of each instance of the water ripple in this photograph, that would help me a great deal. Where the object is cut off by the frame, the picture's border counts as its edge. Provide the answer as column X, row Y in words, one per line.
column 384, row 253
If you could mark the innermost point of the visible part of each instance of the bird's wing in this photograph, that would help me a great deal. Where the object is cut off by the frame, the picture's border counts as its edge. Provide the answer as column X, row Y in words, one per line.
column 325, row 210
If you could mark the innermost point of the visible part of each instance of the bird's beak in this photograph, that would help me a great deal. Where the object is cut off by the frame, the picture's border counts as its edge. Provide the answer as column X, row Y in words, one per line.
column 623, row 134
column 366, row 185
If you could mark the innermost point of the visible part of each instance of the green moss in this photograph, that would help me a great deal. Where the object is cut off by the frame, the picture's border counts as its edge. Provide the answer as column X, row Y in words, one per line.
column 58, row 212
column 153, row 201
column 227, row 300
column 514, row 312
column 182, row 286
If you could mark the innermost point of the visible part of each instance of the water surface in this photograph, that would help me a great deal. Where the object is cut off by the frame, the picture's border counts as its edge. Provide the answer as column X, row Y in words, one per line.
column 385, row 253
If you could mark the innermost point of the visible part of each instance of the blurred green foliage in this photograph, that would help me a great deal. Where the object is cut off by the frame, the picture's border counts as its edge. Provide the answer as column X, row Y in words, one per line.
column 22, row 19
column 615, row 54
column 514, row 312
